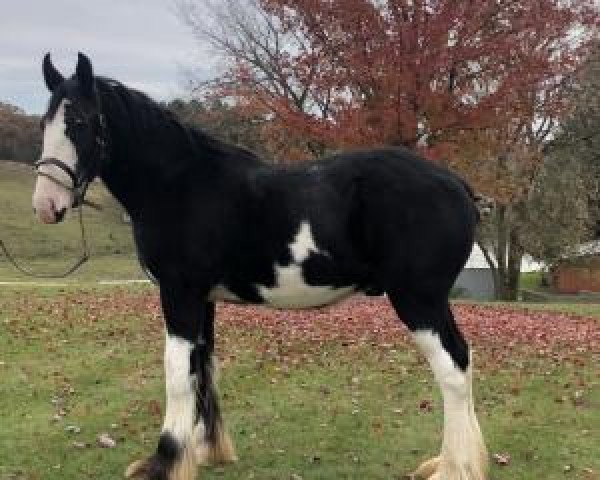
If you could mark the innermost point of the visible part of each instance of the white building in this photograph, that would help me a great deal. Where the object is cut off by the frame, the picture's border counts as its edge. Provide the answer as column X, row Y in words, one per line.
column 476, row 280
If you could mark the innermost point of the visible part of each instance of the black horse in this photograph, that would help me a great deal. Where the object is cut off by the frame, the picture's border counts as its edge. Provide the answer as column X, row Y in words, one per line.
column 212, row 222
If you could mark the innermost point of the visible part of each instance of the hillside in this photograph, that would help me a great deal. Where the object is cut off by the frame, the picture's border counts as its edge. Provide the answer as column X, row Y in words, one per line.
column 58, row 245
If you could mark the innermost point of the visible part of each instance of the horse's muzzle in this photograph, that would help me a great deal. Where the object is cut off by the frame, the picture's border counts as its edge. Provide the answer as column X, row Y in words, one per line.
column 49, row 215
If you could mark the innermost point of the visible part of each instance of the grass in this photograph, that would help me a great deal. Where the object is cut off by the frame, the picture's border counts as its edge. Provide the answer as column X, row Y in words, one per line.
column 530, row 280
column 336, row 412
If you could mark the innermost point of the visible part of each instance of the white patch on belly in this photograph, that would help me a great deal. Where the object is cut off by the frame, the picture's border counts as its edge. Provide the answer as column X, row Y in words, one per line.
column 291, row 290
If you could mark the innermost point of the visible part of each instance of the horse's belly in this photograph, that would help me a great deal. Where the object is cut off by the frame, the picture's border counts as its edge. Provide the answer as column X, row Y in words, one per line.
column 289, row 291
column 290, row 287
column 292, row 291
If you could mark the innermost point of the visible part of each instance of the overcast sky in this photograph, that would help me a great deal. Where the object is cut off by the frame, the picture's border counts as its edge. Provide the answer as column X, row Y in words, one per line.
column 139, row 42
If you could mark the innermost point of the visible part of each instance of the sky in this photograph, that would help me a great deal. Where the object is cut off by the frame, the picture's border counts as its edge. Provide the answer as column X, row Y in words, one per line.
column 141, row 43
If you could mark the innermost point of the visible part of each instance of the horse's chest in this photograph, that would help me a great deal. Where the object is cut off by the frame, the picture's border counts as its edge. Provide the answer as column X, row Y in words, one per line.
column 293, row 287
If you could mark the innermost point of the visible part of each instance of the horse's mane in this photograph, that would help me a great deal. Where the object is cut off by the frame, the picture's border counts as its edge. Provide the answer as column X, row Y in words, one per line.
column 139, row 115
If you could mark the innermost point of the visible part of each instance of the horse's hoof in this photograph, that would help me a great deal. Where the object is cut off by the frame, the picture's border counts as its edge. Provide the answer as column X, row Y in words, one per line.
column 427, row 469
column 437, row 468
column 138, row 469
column 223, row 452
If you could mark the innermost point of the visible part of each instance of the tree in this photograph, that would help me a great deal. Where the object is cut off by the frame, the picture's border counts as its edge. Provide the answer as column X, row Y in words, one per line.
column 477, row 85
column 260, row 73
column 549, row 205
column 350, row 72
column 559, row 214
column 20, row 137
column 222, row 120
column 579, row 138
column 564, row 207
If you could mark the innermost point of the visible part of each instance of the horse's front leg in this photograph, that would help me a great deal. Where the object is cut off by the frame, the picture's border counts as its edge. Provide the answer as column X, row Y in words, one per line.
column 214, row 444
column 190, row 395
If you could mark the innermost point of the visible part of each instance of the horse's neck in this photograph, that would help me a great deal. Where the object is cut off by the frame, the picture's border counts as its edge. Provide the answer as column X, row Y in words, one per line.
column 137, row 172
column 148, row 176
column 153, row 155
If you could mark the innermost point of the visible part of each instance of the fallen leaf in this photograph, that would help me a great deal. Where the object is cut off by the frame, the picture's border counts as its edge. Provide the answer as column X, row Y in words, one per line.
column 105, row 441
column 501, row 459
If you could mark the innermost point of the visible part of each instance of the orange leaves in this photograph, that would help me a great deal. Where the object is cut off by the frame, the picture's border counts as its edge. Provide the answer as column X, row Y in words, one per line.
column 348, row 73
column 360, row 320
column 495, row 161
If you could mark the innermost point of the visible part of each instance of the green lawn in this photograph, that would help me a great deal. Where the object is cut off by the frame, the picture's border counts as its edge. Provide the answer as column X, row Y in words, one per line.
column 531, row 280
column 335, row 412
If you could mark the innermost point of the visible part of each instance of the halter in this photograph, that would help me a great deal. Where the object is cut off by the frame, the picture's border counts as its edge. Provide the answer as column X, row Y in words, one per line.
column 80, row 181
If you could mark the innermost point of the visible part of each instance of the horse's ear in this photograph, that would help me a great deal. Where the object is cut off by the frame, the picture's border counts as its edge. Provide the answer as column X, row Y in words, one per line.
column 85, row 74
column 52, row 76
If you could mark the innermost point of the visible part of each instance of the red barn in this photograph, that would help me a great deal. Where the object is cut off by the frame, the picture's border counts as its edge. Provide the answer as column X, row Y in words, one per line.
column 580, row 272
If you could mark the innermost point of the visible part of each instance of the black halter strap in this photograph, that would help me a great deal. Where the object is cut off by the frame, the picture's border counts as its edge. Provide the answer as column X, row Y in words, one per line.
column 78, row 188
column 60, row 164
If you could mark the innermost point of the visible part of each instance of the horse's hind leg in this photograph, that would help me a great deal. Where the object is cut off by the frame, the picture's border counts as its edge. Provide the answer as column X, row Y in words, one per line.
column 463, row 455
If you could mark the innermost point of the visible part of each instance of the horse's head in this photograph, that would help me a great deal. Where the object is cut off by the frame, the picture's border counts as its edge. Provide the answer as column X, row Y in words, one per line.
column 74, row 141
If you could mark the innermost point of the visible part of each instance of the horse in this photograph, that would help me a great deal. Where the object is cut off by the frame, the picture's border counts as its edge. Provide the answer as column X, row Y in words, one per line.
column 213, row 222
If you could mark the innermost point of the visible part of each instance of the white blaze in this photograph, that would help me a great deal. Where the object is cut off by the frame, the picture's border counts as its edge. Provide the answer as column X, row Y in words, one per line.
column 56, row 142
column 49, row 197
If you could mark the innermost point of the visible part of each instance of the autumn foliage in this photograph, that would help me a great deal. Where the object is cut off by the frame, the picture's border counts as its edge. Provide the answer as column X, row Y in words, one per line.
column 347, row 73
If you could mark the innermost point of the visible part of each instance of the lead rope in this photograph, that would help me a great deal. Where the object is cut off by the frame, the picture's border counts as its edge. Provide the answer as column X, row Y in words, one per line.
column 29, row 272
